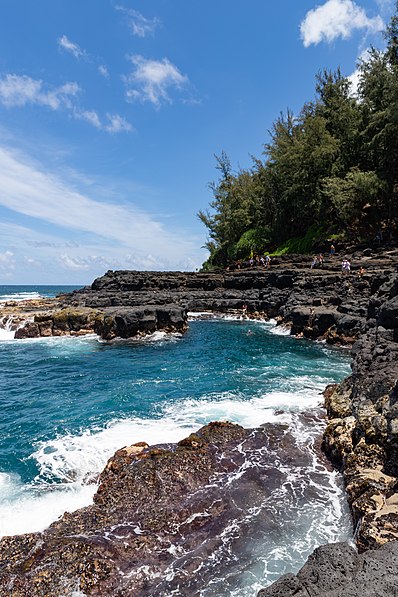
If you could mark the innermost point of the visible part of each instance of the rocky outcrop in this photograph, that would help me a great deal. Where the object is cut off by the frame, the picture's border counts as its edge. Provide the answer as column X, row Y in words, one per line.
column 315, row 303
column 336, row 570
column 362, row 432
column 165, row 519
column 108, row 323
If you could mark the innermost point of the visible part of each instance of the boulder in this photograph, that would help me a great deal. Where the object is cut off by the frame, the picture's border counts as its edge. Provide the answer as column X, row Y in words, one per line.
column 336, row 570
column 29, row 330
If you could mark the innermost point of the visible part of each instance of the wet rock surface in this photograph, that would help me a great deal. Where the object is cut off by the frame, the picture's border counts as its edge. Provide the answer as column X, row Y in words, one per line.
column 173, row 519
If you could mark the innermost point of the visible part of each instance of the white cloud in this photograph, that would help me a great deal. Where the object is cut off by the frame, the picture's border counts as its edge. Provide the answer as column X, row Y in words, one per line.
column 140, row 26
column 88, row 262
column 336, row 18
column 71, row 47
column 89, row 116
column 386, row 5
column 151, row 80
column 7, row 261
column 354, row 78
column 18, row 91
column 73, row 263
column 31, row 262
column 113, row 231
column 103, row 71
column 114, row 124
column 117, row 124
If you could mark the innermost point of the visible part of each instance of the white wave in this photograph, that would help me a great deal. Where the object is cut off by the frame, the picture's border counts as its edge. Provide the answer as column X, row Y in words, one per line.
column 19, row 296
column 30, row 508
column 159, row 336
column 69, row 464
column 9, row 327
column 6, row 334
column 79, row 457
column 277, row 329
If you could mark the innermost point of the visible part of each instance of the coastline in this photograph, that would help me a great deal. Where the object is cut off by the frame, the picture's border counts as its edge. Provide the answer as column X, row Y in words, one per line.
column 359, row 312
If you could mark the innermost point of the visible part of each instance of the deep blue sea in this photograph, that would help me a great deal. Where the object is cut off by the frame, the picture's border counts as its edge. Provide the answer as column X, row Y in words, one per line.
column 68, row 403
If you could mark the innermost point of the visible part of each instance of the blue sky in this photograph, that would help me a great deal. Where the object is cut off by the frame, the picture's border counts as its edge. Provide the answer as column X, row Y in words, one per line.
column 111, row 113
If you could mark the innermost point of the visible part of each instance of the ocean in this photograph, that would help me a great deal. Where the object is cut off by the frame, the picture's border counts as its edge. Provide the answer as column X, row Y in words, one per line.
column 67, row 404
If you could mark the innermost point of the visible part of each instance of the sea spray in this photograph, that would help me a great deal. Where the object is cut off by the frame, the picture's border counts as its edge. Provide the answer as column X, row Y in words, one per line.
column 69, row 404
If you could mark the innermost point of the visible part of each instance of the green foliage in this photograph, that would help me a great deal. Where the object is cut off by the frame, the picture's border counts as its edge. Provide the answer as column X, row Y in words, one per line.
column 332, row 168
column 356, row 198
column 301, row 244
column 253, row 240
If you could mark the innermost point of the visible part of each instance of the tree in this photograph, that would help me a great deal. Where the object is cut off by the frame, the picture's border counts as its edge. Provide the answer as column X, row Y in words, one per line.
column 355, row 199
column 342, row 113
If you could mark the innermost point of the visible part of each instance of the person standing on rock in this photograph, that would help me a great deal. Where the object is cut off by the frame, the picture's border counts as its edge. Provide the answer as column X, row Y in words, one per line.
column 311, row 318
column 345, row 266
column 332, row 250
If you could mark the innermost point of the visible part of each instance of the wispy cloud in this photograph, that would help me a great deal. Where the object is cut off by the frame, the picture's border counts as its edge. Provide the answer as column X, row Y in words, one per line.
column 386, row 5
column 89, row 116
column 89, row 262
column 74, row 263
column 18, row 91
column 334, row 19
column 152, row 80
column 140, row 26
column 117, row 124
column 117, row 229
column 69, row 46
column 103, row 71
column 7, row 261
column 114, row 122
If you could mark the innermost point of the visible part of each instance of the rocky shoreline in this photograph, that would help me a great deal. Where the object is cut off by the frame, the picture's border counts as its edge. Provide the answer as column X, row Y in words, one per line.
column 359, row 310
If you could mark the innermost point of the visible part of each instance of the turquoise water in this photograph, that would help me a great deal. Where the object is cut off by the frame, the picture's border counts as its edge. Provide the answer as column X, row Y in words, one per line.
column 68, row 403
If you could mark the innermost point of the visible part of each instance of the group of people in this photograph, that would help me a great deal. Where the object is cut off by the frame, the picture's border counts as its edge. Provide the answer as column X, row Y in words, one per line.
column 254, row 261
column 264, row 261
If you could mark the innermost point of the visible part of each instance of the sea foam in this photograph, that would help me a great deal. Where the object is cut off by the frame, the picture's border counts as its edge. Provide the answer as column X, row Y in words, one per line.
column 69, row 464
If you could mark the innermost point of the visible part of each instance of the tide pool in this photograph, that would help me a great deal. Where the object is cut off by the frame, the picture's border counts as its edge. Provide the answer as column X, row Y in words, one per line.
column 68, row 404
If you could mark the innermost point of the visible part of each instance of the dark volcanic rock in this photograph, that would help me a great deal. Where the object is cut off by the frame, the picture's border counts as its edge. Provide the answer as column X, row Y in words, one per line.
column 128, row 322
column 336, row 570
column 30, row 330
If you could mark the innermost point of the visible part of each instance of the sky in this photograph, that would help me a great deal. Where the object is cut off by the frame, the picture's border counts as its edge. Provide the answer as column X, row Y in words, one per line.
column 112, row 113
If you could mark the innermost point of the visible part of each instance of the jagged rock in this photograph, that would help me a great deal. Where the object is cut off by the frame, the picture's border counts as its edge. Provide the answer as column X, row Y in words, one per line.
column 338, row 438
column 159, row 511
column 338, row 401
column 337, row 571
column 29, row 330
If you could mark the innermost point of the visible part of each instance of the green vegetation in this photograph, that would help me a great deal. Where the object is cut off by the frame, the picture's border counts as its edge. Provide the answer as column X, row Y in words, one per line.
column 328, row 173
column 301, row 244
